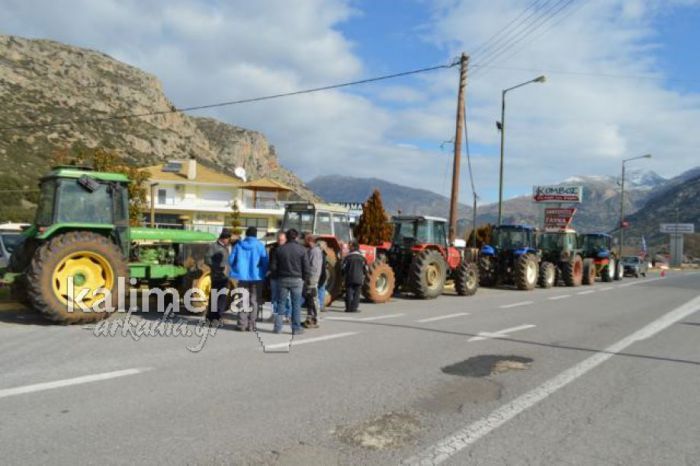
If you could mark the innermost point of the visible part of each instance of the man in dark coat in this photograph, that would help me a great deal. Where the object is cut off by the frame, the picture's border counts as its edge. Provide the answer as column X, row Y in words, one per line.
column 291, row 267
column 217, row 260
column 354, row 267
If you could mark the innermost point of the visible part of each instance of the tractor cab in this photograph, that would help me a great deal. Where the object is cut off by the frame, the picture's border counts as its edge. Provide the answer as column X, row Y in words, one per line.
column 598, row 245
column 558, row 243
column 419, row 231
column 518, row 239
column 76, row 197
column 322, row 220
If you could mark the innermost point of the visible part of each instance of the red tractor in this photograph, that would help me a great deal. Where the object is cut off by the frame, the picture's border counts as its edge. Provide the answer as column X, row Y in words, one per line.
column 423, row 261
column 330, row 224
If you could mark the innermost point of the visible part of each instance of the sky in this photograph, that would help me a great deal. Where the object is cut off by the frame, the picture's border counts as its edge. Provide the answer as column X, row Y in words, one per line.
column 623, row 79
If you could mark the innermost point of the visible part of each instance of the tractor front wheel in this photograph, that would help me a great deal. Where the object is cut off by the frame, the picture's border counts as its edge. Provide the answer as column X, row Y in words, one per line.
column 466, row 279
column 588, row 272
column 572, row 271
column 608, row 272
column 487, row 271
column 526, row 272
column 548, row 275
column 91, row 261
column 427, row 275
column 379, row 282
column 334, row 282
column 619, row 271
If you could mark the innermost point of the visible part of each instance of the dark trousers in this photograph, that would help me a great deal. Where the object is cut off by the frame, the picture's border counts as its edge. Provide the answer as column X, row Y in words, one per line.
column 217, row 301
column 352, row 297
column 247, row 317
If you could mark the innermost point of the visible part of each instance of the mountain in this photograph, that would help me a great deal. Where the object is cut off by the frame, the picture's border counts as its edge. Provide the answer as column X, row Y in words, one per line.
column 337, row 188
column 678, row 201
column 599, row 211
column 43, row 82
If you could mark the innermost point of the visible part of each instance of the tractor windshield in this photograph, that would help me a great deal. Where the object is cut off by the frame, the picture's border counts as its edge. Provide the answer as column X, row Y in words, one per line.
column 595, row 242
column 300, row 221
column 510, row 238
column 341, row 227
column 552, row 241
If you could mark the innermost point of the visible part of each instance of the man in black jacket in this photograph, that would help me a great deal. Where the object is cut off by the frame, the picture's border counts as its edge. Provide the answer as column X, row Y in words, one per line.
column 291, row 268
column 217, row 260
column 354, row 267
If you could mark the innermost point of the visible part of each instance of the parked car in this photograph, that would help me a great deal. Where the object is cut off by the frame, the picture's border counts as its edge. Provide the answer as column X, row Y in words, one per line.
column 634, row 266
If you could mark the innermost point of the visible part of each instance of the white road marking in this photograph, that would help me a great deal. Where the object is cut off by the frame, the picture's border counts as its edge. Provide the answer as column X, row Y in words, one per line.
column 499, row 333
column 586, row 292
column 523, row 303
column 366, row 319
column 448, row 316
column 449, row 446
column 37, row 387
column 561, row 296
column 296, row 342
column 607, row 288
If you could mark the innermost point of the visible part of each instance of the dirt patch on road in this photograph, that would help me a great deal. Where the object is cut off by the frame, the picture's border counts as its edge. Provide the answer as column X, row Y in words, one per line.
column 455, row 396
column 487, row 364
column 391, row 430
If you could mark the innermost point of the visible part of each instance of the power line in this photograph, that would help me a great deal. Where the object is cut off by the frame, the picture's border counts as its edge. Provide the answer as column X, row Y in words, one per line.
column 232, row 102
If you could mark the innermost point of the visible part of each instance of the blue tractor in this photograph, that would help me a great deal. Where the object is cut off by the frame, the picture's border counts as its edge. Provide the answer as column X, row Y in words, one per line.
column 512, row 257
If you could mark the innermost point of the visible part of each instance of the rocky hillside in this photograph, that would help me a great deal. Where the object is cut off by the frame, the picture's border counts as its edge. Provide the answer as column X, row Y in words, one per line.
column 42, row 82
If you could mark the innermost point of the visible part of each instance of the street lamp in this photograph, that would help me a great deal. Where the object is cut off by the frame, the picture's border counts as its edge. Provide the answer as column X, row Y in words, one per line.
column 622, row 200
column 502, row 126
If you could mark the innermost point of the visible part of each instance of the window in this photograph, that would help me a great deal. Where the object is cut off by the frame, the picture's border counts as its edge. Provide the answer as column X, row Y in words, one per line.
column 323, row 224
column 300, row 221
column 44, row 212
column 439, row 236
column 259, row 223
column 341, row 227
column 162, row 195
column 77, row 204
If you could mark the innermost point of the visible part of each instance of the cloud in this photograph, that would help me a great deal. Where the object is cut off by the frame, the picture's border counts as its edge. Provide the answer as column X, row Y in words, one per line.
column 210, row 51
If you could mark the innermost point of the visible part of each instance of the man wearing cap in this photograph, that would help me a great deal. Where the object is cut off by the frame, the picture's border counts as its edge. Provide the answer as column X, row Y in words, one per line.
column 249, row 263
column 217, row 260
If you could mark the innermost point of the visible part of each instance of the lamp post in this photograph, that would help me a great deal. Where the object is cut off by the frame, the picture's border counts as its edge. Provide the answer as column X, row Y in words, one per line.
column 502, row 126
column 622, row 200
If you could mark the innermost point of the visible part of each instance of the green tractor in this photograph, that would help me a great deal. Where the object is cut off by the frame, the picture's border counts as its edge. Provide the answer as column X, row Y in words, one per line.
column 81, row 237
column 562, row 260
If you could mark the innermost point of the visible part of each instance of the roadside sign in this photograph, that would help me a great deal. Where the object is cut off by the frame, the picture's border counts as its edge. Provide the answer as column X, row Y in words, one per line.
column 678, row 228
column 558, row 218
column 557, row 193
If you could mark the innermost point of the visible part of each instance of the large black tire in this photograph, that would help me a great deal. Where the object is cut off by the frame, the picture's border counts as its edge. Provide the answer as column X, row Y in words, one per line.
column 487, row 271
column 588, row 272
column 427, row 274
column 572, row 271
column 607, row 273
column 526, row 272
column 467, row 279
column 334, row 275
column 619, row 271
column 548, row 275
column 18, row 290
column 105, row 263
column 379, row 282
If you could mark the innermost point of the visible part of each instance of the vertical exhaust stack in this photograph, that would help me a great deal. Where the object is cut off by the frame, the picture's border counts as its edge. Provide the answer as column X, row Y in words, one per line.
column 192, row 168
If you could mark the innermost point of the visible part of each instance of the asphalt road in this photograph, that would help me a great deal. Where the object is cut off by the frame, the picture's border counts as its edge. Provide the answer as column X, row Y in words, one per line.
column 608, row 374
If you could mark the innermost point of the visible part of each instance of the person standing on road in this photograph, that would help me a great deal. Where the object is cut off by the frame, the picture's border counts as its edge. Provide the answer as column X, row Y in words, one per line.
column 217, row 260
column 315, row 258
column 291, row 268
column 354, row 268
column 274, row 280
column 249, row 263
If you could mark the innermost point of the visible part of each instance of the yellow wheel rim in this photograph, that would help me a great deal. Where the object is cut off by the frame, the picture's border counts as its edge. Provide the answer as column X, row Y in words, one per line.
column 90, row 271
column 204, row 287
column 432, row 276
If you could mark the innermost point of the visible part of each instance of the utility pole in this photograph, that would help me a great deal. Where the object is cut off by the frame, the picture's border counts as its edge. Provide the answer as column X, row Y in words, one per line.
column 463, row 63
column 622, row 211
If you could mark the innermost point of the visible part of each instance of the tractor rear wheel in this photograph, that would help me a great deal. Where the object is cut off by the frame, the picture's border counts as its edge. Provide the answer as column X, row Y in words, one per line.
column 588, row 272
column 487, row 271
column 427, row 274
column 334, row 282
column 548, row 275
column 18, row 290
column 525, row 272
column 92, row 261
column 466, row 279
column 572, row 271
column 379, row 282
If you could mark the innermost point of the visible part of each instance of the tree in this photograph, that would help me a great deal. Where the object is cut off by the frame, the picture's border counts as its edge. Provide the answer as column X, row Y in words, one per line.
column 104, row 160
column 483, row 236
column 373, row 227
column 235, row 219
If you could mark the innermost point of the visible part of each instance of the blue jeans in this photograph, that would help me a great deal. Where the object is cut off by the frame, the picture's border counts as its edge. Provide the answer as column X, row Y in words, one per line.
column 275, row 292
column 321, row 297
column 289, row 288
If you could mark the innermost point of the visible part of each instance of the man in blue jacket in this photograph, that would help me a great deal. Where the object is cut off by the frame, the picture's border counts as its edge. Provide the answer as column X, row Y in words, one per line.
column 249, row 263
